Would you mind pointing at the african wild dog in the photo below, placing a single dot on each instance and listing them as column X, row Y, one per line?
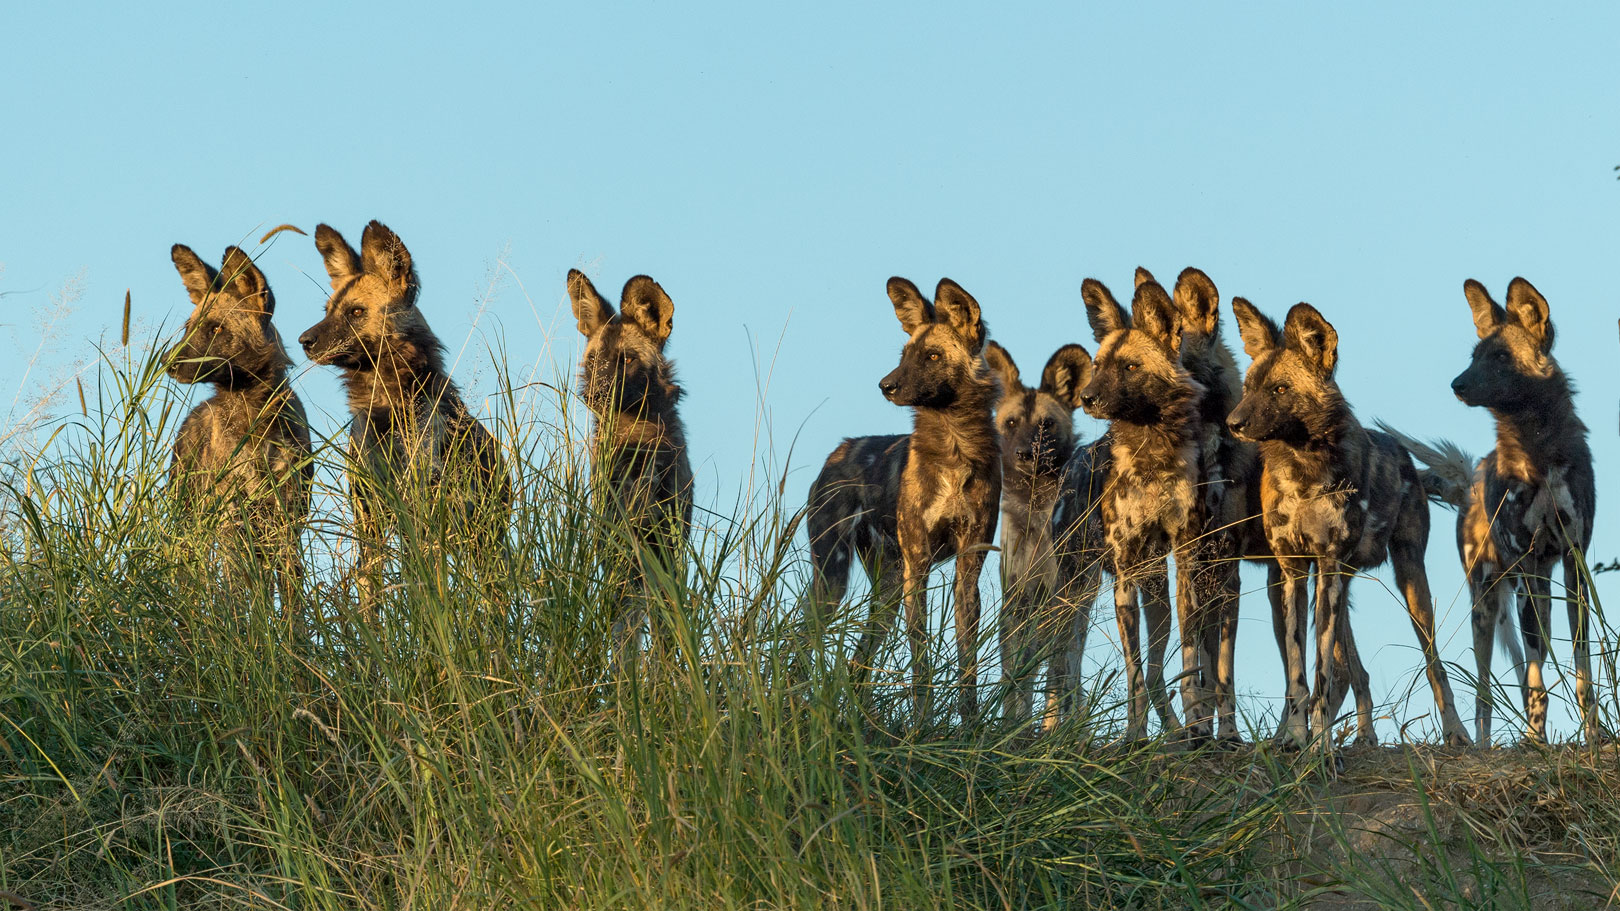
column 410, row 435
column 1524, row 507
column 639, row 466
column 1228, row 528
column 1037, row 440
column 1150, row 507
column 247, row 446
column 1335, row 496
column 915, row 500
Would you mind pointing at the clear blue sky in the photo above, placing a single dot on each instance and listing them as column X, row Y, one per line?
column 772, row 167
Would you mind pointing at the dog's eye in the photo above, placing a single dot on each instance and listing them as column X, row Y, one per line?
column 357, row 312
column 1279, row 389
column 1501, row 355
column 218, row 329
column 933, row 355
column 1131, row 368
column 1011, row 423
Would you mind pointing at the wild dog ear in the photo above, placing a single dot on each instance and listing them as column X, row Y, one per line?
column 1143, row 276
column 591, row 312
column 1198, row 301
column 961, row 312
column 1067, row 372
column 1308, row 332
column 1102, row 311
column 383, row 254
column 1154, row 313
column 196, row 275
column 1001, row 364
column 342, row 263
column 1258, row 332
column 1528, row 308
column 244, row 277
column 1488, row 314
column 914, row 310
column 645, row 303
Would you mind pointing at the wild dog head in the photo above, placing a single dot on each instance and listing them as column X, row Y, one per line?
column 1137, row 376
column 1289, row 393
column 229, row 340
column 1037, row 425
column 623, row 369
column 372, row 314
column 1514, row 353
column 942, row 359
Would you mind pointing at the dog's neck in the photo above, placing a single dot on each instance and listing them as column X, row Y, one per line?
column 963, row 432
column 1532, row 439
column 396, row 385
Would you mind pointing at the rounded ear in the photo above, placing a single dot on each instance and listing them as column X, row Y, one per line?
column 1528, row 308
column 1102, row 311
column 342, row 263
column 1001, row 363
column 1488, row 314
column 913, row 310
column 1307, row 332
column 1067, row 372
column 644, row 302
column 961, row 312
column 244, row 277
column 1143, row 276
column 591, row 312
column 196, row 275
column 1155, row 314
column 1258, row 332
column 1198, row 301
column 383, row 254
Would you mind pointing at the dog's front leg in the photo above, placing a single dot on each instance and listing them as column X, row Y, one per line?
column 969, row 563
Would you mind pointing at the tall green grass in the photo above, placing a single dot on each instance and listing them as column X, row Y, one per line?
column 167, row 741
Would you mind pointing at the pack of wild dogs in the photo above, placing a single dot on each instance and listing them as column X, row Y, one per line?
column 1202, row 468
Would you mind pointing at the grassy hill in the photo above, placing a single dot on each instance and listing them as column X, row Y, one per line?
column 167, row 742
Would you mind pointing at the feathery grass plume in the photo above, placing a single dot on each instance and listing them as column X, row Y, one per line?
column 123, row 335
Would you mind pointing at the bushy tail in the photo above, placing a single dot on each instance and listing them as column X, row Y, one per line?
column 1448, row 473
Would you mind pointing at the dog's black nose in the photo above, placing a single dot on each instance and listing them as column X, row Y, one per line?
column 889, row 387
column 307, row 339
column 1087, row 400
column 1235, row 424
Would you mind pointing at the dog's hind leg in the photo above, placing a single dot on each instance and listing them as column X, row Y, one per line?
column 1575, row 587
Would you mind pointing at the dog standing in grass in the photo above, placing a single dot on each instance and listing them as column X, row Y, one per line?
column 641, row 476
column 1526, row 506
column 907, row 502
column 1336, row 497
column 1037, row 439
column 247, row 446
column 1149, row 503
column 412, row 441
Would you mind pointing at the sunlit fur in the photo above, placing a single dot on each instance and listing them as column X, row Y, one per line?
column 639, row 466
column 247, row 446
column 1037, row 631
column 1337, row 499
column 1527, row 506
column 408, row 425
column 912, row 501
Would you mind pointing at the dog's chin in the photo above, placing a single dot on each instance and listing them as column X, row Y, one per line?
column 341, row 358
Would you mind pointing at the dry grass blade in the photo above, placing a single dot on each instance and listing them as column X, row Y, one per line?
column 280, row 228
